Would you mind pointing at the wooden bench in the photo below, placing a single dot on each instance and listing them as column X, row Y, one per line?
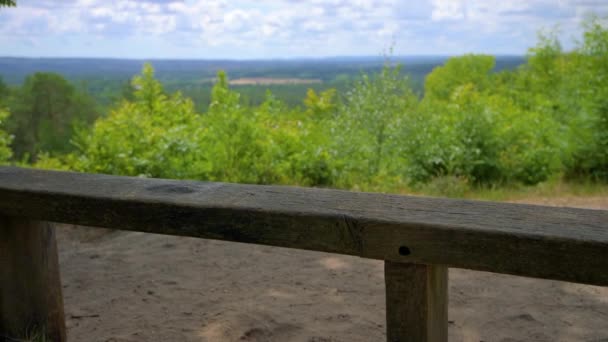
column 417, row 237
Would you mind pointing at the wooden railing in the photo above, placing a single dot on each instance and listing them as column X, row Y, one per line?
column 417, row 237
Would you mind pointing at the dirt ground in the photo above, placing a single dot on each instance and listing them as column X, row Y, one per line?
column 122, row 286
column 270, row 80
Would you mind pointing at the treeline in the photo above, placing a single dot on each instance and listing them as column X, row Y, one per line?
column 46, row 111
column 473, row 125
column 107, row 79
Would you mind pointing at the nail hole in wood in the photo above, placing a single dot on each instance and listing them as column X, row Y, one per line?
column 404, row 250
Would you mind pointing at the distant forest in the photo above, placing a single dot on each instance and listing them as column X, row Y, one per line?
column 107, row 80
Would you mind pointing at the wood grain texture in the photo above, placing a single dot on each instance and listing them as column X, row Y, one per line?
column 31, row 303
column 416, row 302
column 555, row 243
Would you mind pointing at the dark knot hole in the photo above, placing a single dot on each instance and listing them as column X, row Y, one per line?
column 404, row 250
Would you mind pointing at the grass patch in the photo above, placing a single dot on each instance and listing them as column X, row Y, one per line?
column 455, row 187
column 549, row 189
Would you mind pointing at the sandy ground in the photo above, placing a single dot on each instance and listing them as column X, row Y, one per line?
column 270, row 80
column 121, row 286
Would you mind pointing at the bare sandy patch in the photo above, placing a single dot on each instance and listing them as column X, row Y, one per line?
column 270, row 80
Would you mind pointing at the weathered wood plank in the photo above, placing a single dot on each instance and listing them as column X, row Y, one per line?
column 31, row 304
column 555, row 243
column 416, row 302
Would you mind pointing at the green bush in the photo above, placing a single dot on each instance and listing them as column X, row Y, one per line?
column 482, row 138
column 365, row 137
column 590, row 157
column 456, row 138
column 5, row 139
column 156, row 135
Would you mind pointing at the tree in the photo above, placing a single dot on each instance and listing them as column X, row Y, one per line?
column 458, row 71
column 155, row 135
column 366, row 133
column 234, row 139
column 452, row 138
column 4, row 93
column 542, row 57
column 46, row 110
column 3, row 89
column 322, row 105
column 5, row 139
column 8, row 3
column 591, row 155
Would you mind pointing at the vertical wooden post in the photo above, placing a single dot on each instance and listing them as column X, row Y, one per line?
column 30, row 288
column 416, row 302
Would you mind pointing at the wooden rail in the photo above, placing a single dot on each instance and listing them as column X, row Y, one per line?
column 419, row 238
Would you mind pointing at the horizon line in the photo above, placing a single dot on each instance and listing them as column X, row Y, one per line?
column 263, row 59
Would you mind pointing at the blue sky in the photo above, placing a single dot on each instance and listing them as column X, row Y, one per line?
column 241, row 29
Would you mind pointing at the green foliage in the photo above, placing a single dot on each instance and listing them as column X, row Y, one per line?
column 446, row 186
column 155, row 135
column 233, row 138
column 321, row 106
column 458, row 71
column 4, row 91
column 303, row 143
column 455, row 138
column 48, row 162
column 8, row 3
column 5, row 139
column 365, row 139
column 530, row 145
column 483, row 136
column 592, row 157
column 46, row 110
column 543, row 58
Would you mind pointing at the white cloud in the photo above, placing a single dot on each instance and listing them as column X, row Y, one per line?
column 447, row 9
column 296, row 27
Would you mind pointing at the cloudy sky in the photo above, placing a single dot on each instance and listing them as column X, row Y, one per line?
column 241, row 29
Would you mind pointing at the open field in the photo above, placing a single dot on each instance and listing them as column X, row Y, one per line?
column 270, row 80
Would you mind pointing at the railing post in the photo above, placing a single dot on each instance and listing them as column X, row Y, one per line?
column 416, row 302
column 31, row 305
